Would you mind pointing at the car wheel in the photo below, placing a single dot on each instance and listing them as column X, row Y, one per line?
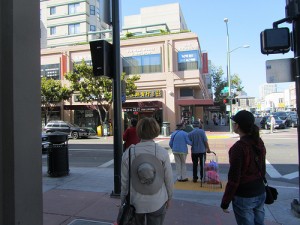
column 75, row 135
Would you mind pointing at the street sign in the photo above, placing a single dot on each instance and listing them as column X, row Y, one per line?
column 280, row 70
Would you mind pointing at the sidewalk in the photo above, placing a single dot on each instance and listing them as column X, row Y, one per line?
column 84, row 198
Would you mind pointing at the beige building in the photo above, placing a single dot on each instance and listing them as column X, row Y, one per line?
column 171, row 89
column 69, row 22
column 175, row 84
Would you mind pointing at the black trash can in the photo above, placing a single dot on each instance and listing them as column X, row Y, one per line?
column 58, row 154
column 165, row 130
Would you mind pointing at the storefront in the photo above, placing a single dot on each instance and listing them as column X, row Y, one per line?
column 140, row 110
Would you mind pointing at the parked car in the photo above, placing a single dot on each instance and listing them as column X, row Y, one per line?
column 279, row 123
column 45, row 142
column 263, row 122
column 294, row 120
column 71, row 129
column 284, row 116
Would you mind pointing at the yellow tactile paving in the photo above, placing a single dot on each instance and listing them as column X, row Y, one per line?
column 191, row 186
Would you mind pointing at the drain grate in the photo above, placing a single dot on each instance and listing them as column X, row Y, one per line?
column 88, row 222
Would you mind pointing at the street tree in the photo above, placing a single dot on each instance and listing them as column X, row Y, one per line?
column 52, row 93
column 96, row 91
column 236, row 84
column 218, row 83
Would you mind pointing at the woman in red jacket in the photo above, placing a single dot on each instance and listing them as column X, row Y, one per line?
column 130, row 137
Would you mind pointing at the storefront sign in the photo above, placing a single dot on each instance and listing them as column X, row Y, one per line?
column 142, row 51
column 51, row 71
column 147, row 94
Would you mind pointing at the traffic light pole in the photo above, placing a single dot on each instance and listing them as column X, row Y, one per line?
column 296, row 37
column 117, row 102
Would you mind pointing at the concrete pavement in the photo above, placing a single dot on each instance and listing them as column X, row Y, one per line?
column 84, row 197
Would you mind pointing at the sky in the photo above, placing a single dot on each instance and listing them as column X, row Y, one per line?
column 246, row 20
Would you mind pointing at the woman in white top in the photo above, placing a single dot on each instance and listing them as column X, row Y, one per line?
column 151, row 175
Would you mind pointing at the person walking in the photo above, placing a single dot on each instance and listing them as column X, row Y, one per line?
column 151, row 187
column 199, row 149
column 245, row 187
column 272, row 123
column 130, row 137
column 178, row 143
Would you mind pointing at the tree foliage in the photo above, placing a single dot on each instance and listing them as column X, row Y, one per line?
column 96, row 91
column 52, row 93
column 219, row 82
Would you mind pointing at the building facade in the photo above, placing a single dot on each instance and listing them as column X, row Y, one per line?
column 69, row 22
column 172, row 87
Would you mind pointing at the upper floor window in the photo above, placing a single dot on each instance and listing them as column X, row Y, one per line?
column 188, row 60
column 52, row 30
column 186, row 92
column 73, row 8
column 74, row 28
column 92, row 10
column 52, row 10
column 142, row 64
column 92, row 28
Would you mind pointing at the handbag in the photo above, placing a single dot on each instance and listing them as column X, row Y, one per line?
column 271, row 192
column 126, row 215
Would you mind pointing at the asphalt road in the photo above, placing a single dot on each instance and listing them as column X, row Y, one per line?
column 282, row 153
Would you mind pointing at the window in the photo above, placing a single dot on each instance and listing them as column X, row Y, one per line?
column 186, row 92
column 74, row 28
column 52, row 10
column 52, row 30
column 73, row 8
column 92, row 10
column 142, row 64
column 188, row 60
column 92, row 28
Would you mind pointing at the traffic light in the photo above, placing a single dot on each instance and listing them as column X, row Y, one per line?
column 102, row 52
column 226, row 101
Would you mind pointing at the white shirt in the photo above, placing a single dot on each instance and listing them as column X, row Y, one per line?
column 147, row 203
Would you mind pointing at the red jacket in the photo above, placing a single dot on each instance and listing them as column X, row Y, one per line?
column 130, row 137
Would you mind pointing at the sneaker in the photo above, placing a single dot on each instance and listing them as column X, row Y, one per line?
column 195, row 180
column 185, row 180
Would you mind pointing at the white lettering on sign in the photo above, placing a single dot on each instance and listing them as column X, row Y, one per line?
column 142, row 51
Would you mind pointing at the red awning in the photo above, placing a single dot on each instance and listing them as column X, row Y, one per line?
column 198, row 102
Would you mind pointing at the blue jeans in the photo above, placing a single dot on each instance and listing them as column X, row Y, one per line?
column 249, row 211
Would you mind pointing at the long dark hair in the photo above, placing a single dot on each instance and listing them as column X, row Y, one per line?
column 252, row 130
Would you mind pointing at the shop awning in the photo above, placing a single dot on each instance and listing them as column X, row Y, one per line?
column 196, row 102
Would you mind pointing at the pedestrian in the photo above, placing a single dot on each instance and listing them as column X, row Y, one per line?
column 199, row 149
column 215, row 120
column 245, row 187
column 151, row 175
column 178, row 143
column 130, row 136
column 272, row 123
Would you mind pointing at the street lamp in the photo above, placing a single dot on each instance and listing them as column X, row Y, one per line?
column 228, row 72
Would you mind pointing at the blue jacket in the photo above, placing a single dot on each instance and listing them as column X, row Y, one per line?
column 198, row 138
column 179, row 141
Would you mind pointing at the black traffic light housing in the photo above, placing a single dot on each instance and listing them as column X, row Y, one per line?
column 276, row 40
column 102, row 58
